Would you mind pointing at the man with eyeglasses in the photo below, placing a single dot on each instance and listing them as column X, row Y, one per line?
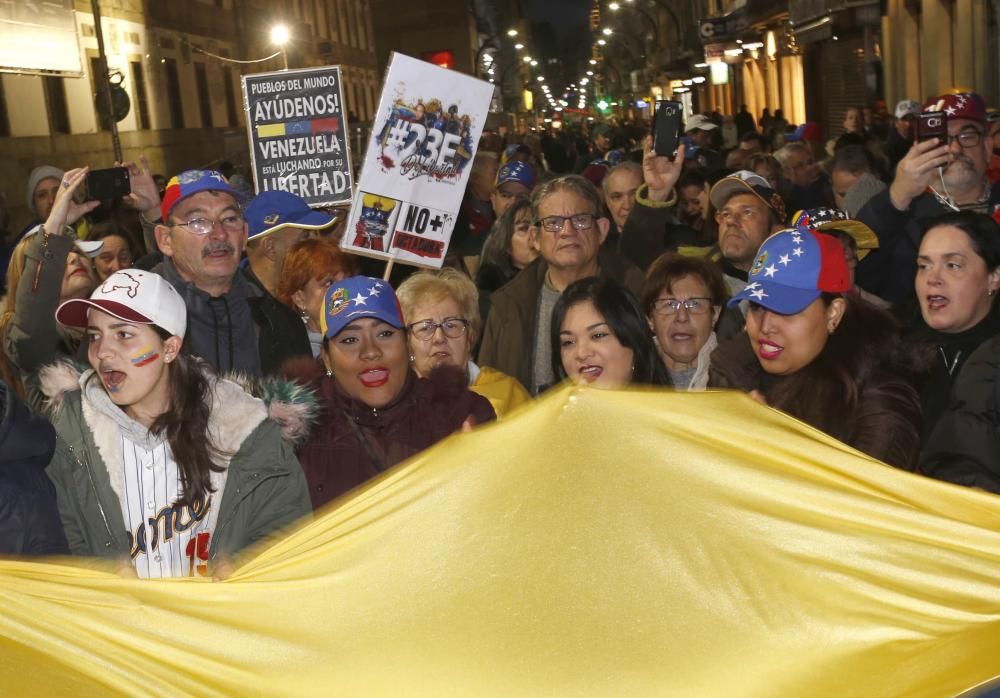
column 935, row 176
column 568, row 229
column 232, row 324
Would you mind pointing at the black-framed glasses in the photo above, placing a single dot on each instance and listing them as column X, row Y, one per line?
column 670, row 306
column 453, row 328
column 555, row 224
column 231, row 223
column 967, row 139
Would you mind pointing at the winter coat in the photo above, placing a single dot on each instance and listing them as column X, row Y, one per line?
column 337, row 458
column 964, row 447
column 886, row 421
column 264, row 489
column 509, row 336
column 245, row 330
column 889, row 271
column 29, row 518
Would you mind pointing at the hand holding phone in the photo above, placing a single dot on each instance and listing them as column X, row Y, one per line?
column 667, row 127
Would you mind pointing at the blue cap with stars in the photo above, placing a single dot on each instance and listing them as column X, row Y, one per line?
column 359, row 297
column 793, row 268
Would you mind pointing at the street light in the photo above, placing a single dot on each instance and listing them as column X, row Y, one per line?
column 512, row 32
column 607, row 31
column 279, row 37
column 601, row 42
column 518, row 46
column 614, row 7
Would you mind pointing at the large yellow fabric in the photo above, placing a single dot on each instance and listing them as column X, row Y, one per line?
column 504, row 392
column 596, row 543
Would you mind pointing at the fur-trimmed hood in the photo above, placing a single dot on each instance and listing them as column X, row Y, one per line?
column 239, row 403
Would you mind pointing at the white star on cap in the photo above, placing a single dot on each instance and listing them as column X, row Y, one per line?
column 359, row 299
column 752, row 286
column 951, row 111
column 797, row 239
column 797, row 252
column 785, row 259
column 758, row 294
column 769, row 271
column 373, row 291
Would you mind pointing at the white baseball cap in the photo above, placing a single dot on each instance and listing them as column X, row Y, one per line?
column 699, row 122
column 907, row 107
column 91, row 248
column 132, row 295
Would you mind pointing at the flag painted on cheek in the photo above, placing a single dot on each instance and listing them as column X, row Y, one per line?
column 146, row 356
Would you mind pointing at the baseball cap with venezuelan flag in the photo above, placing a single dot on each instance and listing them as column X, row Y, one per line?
column 191, row 182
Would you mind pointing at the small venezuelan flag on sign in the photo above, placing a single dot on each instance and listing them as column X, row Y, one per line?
column 293, row 128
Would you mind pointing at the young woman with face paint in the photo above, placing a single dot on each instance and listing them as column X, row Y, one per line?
column 159, row 462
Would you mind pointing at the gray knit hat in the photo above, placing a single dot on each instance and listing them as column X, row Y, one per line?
column 36, row 176
column 863, row 190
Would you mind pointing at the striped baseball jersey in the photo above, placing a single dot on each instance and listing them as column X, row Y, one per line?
column 165, row 539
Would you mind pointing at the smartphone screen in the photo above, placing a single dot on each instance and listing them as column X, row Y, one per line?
column 932, row 124
column 667, row 127
column 112, row 183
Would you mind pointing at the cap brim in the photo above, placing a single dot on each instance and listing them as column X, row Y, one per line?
column 786, row 300
column 865, row 238
column 91, row 248
column 314, row 220
column 73, row 313
column 727, row 187
column 332, row 332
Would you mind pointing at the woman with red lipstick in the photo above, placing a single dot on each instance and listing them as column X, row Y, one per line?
column 376, row 412
column 48, row 265
column 160, row 463
column 820, row 353
column 601, row 338
column 958, row 274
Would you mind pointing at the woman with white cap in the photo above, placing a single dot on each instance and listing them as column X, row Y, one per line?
column 159, row 463
column 820, row 353
column 48, row 266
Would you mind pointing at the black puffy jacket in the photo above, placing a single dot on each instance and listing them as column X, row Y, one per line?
column 29, row 518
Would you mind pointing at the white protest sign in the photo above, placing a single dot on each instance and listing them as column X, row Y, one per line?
column 424, row 137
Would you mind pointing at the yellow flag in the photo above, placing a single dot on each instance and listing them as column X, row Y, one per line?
column 597, row 544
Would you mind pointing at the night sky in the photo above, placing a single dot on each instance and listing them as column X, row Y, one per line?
column 566, row 16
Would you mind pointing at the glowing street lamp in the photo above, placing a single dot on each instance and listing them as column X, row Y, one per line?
column 280, row 37
column 601, row 42
column 614, row 7
column 518, row 47
column 607, row 31
column 512, row 32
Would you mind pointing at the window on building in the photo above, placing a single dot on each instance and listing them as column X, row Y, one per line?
column 55, row 103
column 227, row 77
column 4, row 119
column 204, row 101
column 139, row 91
column 174, row 93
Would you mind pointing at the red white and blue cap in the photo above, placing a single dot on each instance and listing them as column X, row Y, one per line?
column 960, row 105
column 359, row 297
column 191, row 182
column 793, row 268
column 270, row 211
column 828, row 218
column 517, row 171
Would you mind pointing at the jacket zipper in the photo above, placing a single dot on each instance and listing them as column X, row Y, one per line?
column 93, row 487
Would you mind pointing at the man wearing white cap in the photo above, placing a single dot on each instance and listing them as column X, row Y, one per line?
column 699, row 134
column 900, row 138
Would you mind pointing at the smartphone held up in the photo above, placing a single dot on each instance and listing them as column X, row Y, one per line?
column 667, row 122
column 932, row 124
column 112, row 183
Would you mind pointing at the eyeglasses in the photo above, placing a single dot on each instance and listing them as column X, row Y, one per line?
column 670, row 306
column 555, row 224
column 231, row 223
column 453, row 328
column 967, row 139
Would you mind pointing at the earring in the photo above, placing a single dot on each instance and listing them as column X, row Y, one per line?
column 304, row 315
column 329, row 372
column 412, row 358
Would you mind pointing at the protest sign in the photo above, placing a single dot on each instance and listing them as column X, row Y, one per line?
column 415, row 170
column 297, row 134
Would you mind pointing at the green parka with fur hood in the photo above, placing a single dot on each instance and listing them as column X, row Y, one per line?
column 265, row 489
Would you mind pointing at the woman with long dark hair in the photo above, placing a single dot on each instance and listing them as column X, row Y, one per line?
column 600, row 336
column 158, row 461
column 820, row 353
column 507, row 249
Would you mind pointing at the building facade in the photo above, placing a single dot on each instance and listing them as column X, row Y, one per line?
column 180, row 64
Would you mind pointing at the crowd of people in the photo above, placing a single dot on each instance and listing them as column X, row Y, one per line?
column 189, row 370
